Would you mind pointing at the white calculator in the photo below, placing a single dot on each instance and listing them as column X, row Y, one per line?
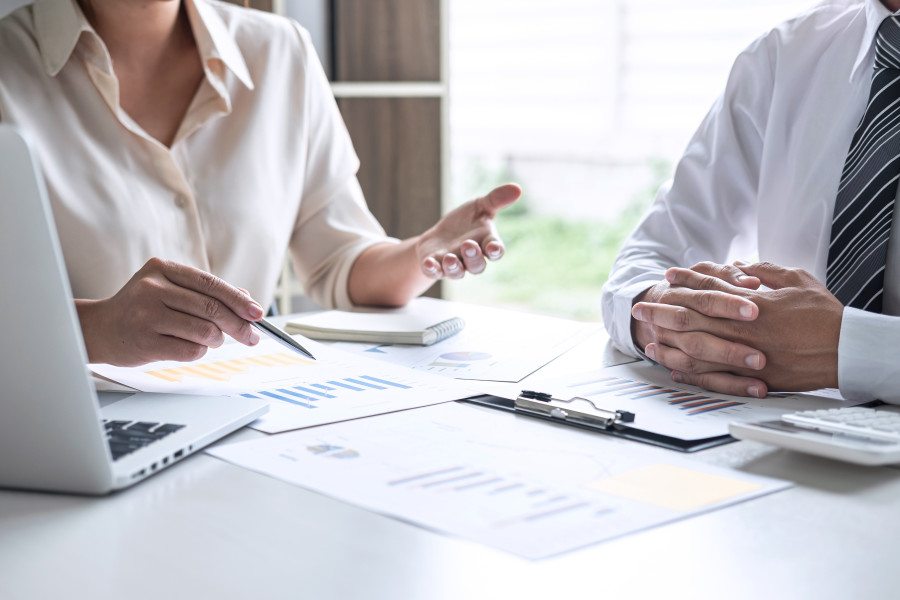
column 866, row 436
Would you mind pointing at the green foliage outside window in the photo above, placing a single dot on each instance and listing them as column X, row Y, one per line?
column 552, row 265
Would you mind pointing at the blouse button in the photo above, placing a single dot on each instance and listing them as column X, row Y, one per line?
column 180, row 201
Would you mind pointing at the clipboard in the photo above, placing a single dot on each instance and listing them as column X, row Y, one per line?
column 583, row 414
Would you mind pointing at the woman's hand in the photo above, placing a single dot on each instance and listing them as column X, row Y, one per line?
column 466, row 238
column 462, row 241
column 167, row 311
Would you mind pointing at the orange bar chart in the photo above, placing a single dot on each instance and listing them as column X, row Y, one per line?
column 224, row 370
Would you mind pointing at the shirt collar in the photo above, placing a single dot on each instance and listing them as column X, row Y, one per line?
column 875, row 13
column 214, row 41
column 59, row 25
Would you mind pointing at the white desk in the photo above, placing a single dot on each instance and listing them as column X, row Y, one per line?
column 207, row 529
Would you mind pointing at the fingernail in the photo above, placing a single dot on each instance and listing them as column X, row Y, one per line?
column 670, row 277
column 638, row 313
column 677, row 377
column 752, row 361
column 746, row 311
column 453, row 267
column 651, row 352
column 254, row 337
column 256, row 310
column 470, row 252
column 740, row 263
column 753, row 390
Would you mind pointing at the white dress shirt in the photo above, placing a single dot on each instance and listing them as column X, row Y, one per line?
column 760, row 178
column 262, row 161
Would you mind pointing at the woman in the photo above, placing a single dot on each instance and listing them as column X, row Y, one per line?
column 189, row 144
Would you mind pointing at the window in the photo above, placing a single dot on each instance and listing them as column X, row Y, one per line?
column 588, row 104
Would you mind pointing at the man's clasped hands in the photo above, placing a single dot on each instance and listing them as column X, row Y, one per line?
column 741, row 329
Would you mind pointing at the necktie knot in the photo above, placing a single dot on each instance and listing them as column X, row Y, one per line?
column 887, row 44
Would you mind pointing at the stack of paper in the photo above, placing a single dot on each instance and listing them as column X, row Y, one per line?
column 510, row 482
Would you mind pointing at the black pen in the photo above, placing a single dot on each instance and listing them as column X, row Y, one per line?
column 281, row 336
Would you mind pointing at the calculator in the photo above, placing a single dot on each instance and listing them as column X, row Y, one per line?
column 856, row 434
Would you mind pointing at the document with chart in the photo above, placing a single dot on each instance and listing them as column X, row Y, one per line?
column 513, row 483
column 301, row 392
column 495, row 345
column 678, row 411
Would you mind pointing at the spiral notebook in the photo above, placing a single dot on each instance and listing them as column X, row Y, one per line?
column 375, row 328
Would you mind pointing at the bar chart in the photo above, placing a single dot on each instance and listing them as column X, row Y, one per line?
column 310, row 394
column 516, row 485
column 691, row 403
column 683, row 412
column 225, row 370
column 301, row 392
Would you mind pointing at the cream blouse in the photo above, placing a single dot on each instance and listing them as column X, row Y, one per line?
column 262, row 162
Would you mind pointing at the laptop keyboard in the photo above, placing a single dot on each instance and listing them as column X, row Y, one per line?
column 127, row 436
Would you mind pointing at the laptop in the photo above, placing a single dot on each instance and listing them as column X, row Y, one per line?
column 55, row 433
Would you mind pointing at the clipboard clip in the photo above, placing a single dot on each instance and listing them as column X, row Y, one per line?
column 575, row 410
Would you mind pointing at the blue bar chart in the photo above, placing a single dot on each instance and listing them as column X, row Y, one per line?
column 308, row 396
column 300, row 392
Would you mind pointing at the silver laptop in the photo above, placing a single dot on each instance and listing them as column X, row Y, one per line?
column 54, row 435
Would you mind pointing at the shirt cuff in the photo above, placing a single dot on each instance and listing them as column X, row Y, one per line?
column 342, row 299
column 867, row 359
column 623, row 301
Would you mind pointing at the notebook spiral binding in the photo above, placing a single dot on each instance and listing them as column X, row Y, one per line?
column 445, row 329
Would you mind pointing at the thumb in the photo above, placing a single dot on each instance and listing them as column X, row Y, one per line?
column 499, row 198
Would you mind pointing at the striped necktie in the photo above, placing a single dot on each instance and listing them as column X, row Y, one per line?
column 865, row 201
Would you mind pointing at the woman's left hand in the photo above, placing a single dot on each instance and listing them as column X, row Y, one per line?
column 466, row 238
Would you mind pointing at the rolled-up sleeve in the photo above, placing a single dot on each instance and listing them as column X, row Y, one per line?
column 327, row 242
column 334, row 224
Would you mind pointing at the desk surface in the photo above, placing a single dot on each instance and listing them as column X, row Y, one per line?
column 207, row 529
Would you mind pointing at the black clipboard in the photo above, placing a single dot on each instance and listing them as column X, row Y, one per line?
column 614, row 424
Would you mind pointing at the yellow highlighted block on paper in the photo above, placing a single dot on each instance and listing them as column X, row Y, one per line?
column 675, row 488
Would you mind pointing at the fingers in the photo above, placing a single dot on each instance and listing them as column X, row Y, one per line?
column 202, row 319
column 432, row 268
column 499, row 198
column 681, row 309
column 730, row 273
column 708, row 295
column 697, row 352
column 775, row 276
column 472, row 257
column 724, row 383
column 473, row 260
column 452, row 267
column 698, row 281
column 447, row 267
column 174, row 348
column 191, row 329
column 209, row 285
column 493, row 248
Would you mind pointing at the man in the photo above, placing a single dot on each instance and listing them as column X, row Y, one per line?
column 769, row 174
